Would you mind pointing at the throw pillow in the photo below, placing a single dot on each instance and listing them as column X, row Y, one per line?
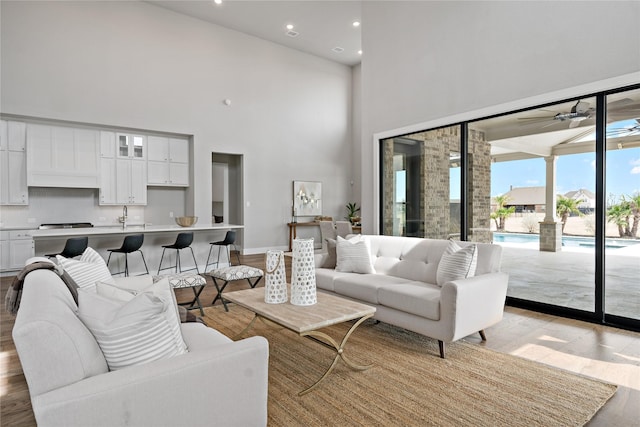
column 354, row 255
column 88, row 270
column 160, row 289
column 330, row 259
column 129, row 333
column 457, row 263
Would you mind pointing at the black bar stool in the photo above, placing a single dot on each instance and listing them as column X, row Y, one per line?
column 130, row 244
column 73, row 247
column 183, row 241
column 229, row 240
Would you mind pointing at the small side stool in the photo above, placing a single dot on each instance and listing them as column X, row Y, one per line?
column 186, row 280
column 232, row 273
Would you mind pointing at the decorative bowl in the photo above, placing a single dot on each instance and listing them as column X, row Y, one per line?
column 186, row 221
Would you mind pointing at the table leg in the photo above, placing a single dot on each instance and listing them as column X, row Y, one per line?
column 329, row 342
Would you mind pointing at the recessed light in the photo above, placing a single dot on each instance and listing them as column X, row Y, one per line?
column 356, row 23
column 338, row 49
column 217, row 1
column 289, row 27
column 360, row 52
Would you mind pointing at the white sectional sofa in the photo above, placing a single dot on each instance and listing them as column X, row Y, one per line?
column 405, row 292
column 218, row 382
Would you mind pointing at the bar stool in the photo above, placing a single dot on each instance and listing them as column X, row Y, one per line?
column 131, row 243
column 183, row 241
column 229, row 240
column 73, row 247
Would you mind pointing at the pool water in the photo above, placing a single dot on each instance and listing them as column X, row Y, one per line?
column 585, row 242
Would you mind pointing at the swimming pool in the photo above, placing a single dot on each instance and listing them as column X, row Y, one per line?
column 584, row 242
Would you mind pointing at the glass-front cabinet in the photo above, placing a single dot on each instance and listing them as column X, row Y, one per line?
column 131, row 146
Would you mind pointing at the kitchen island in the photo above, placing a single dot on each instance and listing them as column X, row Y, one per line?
column 102, row 238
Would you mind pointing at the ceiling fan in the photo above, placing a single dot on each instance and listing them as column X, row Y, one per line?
column 628, row 129
column 579, row 112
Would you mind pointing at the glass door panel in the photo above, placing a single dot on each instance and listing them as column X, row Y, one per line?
column 622, row 241
column 542, row 187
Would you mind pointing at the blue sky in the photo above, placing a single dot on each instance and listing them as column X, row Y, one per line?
column 573, row 172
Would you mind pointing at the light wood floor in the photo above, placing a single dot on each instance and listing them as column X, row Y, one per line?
column 601, row 352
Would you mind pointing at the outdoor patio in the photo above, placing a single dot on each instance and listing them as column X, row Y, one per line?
column 566, row 278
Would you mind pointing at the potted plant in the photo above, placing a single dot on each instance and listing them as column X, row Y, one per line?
column 352, row 213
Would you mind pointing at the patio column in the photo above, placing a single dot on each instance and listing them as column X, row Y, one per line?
column 550, row 228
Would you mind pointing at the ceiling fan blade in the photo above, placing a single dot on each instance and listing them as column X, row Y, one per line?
column 574, row 124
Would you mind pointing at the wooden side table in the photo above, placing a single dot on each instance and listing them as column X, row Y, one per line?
column 293, row 232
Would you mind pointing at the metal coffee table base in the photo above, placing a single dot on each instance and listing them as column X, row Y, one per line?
column 325, row 340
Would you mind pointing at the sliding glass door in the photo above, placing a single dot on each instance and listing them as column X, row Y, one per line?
column 622, row 244
column 557, row 186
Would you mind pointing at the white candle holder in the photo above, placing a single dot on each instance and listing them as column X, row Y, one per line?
column 303, row 273
column 275, row 288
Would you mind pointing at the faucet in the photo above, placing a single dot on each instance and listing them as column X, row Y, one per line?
column 124, row 216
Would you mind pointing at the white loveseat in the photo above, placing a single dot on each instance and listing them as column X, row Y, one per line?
column 405, row 292
column 217, row 383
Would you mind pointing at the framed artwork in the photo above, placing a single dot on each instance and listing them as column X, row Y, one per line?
column 307, row 198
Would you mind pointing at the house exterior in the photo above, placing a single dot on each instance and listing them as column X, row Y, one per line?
column 586, row 200
column 525, row 199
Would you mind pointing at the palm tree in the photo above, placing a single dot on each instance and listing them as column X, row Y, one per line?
column 501, row 213
column 619, row 214
column 565, row 207
column 634, row 201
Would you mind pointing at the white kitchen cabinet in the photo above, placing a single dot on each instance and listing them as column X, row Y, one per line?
column 13, row 164
column 131, row 182
column 168, row 161
column 131, row 146
column 62, row 156
column 17, row 247
column 123, row 169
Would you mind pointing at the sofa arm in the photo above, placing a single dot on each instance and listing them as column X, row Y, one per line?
column 225, row 385
column 473, row 304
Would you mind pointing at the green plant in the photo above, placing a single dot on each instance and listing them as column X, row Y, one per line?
column 501, row 213
column 352, row 210
column 565, row 207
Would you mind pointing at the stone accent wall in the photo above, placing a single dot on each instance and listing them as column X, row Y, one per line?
column 551, row 236
column 479, row 195
column 387, row 186
column 434, row 175
column 435, row 220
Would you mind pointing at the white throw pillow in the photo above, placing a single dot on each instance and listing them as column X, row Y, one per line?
column 88, row 270
column 130, row 332
column 457, row 263
column 354, row 255
column 162, row 289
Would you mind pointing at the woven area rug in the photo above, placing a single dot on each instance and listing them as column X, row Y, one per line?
column 409, row 384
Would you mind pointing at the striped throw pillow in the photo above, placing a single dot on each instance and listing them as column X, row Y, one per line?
column 88, row 270
column 354, row 255
column 457, row 263
column 128, row 333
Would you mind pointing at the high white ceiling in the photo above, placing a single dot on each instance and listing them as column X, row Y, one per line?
column 321, row 25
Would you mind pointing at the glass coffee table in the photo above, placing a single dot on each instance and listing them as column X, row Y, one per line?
column 307, row 320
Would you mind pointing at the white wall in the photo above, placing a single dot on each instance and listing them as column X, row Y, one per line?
column 132, row 64
column 434, row 63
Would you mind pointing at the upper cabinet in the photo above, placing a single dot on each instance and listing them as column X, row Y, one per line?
column 123, row 169
column 62, row 156
column 13, row 163
column 168, row 161
column 131, row 146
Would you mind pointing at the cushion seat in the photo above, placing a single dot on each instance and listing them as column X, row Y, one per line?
column 421, row 299
column 236, row 272
column 182, row 280
column 364, row 287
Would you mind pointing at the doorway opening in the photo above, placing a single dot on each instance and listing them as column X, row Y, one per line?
column 226, row 188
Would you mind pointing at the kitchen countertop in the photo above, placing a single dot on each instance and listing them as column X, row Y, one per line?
column 104, row 230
